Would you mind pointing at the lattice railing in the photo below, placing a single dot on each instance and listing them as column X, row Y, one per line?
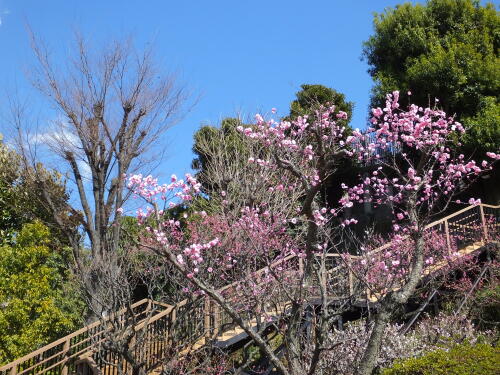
column 61, row 356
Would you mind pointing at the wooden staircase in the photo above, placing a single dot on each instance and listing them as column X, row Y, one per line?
column 470, row 228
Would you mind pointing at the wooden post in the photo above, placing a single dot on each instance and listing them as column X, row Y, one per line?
column 448, row 239
column 171, row 329
column 483, row 223
column 351, row 283
column 206, row 313
column 217, row 318
column 301, row 266
column 13, row 370
column 140, row 351
column 66, row 347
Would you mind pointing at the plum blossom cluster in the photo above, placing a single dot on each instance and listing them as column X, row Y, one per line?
column 302, row 141
column 194, row 253
column 425, row 170
column 417, row 127
column 219, row 248
column 385, row 267
column 168, row 233
column 152, row 192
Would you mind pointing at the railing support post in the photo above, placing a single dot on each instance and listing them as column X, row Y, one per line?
column 217, row 319
column 206, row 322
column 13, row 371
column 66, row 347
column 351, row 283
column 171, row 334
column 483, row 223
column 448, row 239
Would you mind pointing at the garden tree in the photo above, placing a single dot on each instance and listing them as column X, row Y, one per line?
column 311, row 97
column 39, row 301
column 445, row 49
column 250, row 249
column 20, row 202
column 232, row 245
column 223, row 155
column 113, row 106
column 222, row 152
column 211, row 140
column 308, row 100
column 418, row 184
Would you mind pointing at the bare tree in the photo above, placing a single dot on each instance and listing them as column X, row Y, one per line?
column 113, row 106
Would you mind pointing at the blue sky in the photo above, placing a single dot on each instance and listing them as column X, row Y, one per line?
column 238, row 56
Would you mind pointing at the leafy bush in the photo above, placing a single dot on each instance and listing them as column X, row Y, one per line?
column 38, row 303
column 464, row 359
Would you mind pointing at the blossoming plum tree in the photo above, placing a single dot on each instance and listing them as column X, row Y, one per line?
column 252, row 250
column 418, row 183
column 257, row 249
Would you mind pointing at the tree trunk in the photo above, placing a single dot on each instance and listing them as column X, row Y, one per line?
column 370, row 356
column 388, row 305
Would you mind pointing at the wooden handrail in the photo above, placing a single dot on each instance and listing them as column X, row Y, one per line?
column 62, row 340
column 434, row 223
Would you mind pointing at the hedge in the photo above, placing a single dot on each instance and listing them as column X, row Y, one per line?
column 464, row 359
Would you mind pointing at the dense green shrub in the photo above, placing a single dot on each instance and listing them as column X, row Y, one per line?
column 39, row 302
column 462, row 359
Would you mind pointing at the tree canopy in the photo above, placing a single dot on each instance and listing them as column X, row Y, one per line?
column 20, row 199
column 310, row 97
column 208, row 140
column 444, row 49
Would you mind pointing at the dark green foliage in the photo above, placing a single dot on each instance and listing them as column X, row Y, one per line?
column 313, row 96
column 462, row 359
column 445, row 49
column 209, row 140
column 39, row 302
column 21, row 199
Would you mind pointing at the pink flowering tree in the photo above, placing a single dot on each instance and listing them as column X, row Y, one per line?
column 263, row 260
column 418, row 183
column 270, row 256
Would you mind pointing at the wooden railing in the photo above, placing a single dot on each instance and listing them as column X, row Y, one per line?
column 206, row 318
column 61, row 356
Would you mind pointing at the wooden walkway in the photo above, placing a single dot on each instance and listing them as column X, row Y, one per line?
column 470, row 229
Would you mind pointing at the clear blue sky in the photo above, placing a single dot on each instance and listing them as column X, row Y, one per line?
column 240, row 56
